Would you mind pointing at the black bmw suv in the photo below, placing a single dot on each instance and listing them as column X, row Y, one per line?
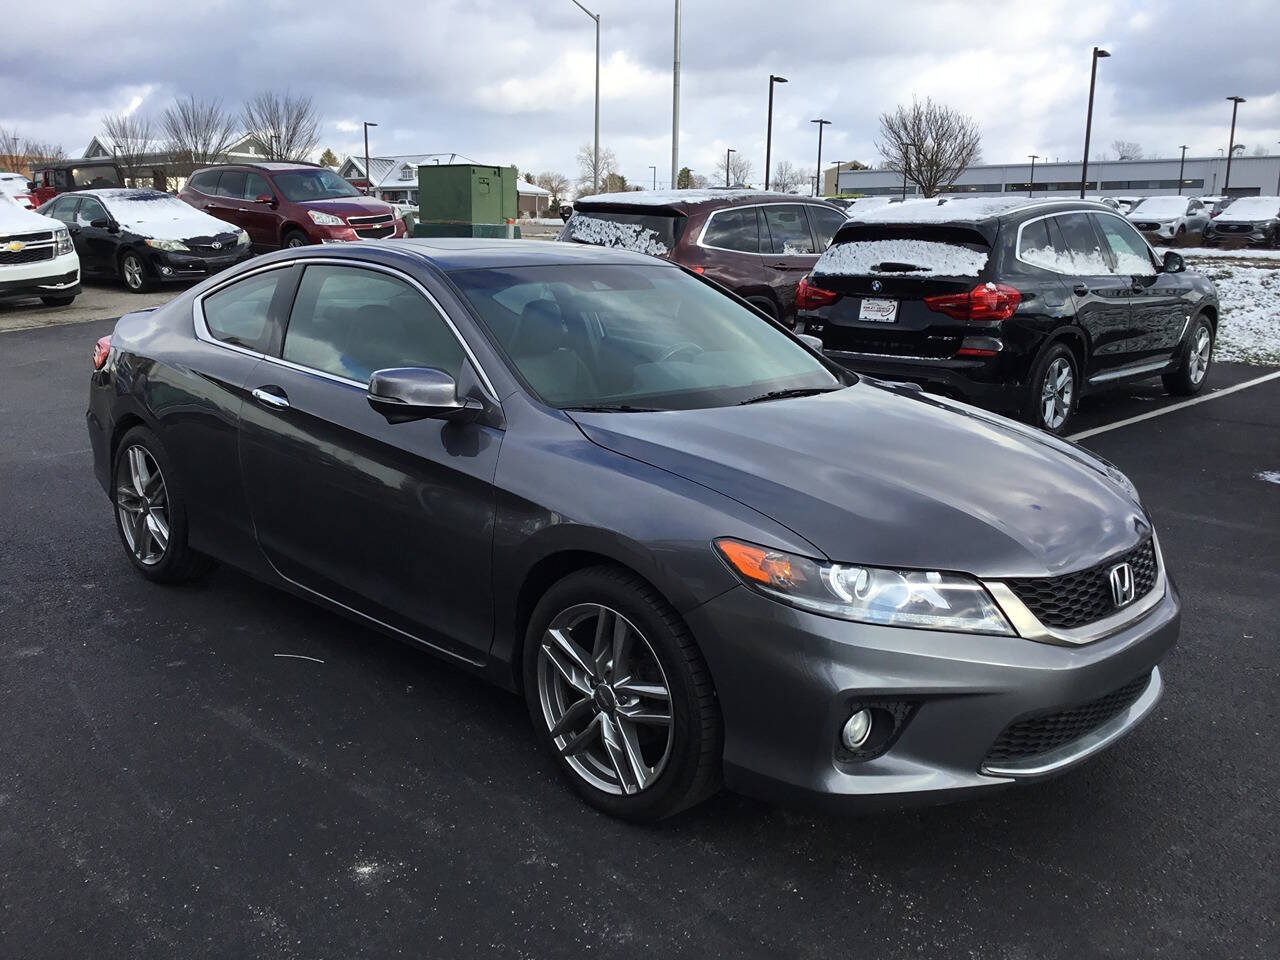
column 1013, row 304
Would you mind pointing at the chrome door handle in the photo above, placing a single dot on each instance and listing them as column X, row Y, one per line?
column 271, row 399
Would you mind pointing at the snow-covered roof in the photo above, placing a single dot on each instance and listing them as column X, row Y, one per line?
column 529, row 190
column 947, row 210
column 386, row 171
column 1157, row 207
column 666, row 198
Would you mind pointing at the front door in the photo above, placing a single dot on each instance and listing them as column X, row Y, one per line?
column 394, row 521
column 1157, row 315
column 1102, row 297
column 259, row 219
column 96, row 246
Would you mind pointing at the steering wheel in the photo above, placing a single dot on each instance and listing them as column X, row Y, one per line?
column 682, row 347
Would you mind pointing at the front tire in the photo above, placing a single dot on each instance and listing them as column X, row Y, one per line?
column 1053, row 390
column 619, row 694
column 57, row 301
column 133, row 273
column 295, row 238
column 151, row 511
column 1197, row 356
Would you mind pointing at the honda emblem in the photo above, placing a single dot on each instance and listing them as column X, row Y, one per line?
column 1122, row 585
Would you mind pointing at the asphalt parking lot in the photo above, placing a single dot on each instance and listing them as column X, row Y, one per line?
column 172, row 786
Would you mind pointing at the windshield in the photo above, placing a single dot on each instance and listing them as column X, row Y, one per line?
column 1252, row 208
column 301, row 185
column 1168, row 207
column 635, row 336
column 652, row 233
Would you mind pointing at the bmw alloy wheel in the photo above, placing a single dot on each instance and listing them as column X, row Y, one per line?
column 1057, row 392
column 605, row 699
column 142, row 505
column 1198, row 362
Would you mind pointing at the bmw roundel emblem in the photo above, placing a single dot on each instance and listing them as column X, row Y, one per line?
column 875, row 286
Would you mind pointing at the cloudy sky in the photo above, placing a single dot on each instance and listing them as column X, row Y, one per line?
column 510, row 81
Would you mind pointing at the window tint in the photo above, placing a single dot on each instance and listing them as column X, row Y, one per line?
column 64, row 209
column 231, row 184
column 1083, row 243
column 734, row 230
column 89, row 211
column 206, row 181
column 825, row 224
column 789, row 228
column 240, row 314
column 351, row 322
column 255, row 185
column 1131, row 254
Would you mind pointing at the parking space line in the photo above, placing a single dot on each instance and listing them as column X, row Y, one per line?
column 1172, row 407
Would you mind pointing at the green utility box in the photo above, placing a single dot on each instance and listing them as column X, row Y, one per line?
column 465, row 200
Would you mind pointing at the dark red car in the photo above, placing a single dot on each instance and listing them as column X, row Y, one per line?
column 290, row 204
column 757, row 244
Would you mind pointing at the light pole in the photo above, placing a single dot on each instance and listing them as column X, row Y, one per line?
column 818, row 169
column 1031, row 188
column 768, row 137
column 1182, row 166
column 726, row 164
column 1231, row 144
column 368, row 174
column 595, row 166
column 1278, row 176
column 835, row 184
column 675, row 105
column 1098, row 54
column 655, row 176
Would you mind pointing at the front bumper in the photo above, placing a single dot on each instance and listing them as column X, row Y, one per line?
column 347, row 234
column 1165, row 231
column 787, row 681
column 1259, row 237
column 175, row 265
column 57, row 277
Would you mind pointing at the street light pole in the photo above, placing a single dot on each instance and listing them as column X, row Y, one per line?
column 368, row 174
column 1031, row 188
column 1231, row 144
column 768, row 137
column 1182, row 166
column 818, row 169
column 675, row 106
column 835, row 183
column 726, row 164
column 1098, row 54
column 655, row 175
column 1278, row 177
column 595, row 166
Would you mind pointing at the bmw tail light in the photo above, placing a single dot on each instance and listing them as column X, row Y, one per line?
column 985, row 303
column 100, row 351
column 810, row 296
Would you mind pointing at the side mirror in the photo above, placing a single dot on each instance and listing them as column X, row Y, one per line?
column 813, row 343
column 102, row 223
column 402, row 394
column 266, row 198
column 1173, row 262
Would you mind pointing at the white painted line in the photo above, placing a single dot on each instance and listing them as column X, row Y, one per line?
column 297, row 656
column 1175, row 406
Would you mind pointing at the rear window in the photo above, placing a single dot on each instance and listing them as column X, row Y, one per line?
column 95, row 177
column 652, row 233
column 921, row 251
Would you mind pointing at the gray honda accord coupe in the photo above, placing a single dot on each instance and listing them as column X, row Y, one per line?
column 703, row 553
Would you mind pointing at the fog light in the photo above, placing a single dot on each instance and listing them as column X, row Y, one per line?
column 856, row 730
column 166, row 270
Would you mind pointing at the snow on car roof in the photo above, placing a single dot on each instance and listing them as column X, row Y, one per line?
column 667, row 198
column 158, row 214
column 15, row 217
column 946, row 210
column 1249, row 209
column 1159, row 207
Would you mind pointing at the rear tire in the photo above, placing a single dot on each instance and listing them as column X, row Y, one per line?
column 1195, row 360
column 151, row 511
column 57, row 301
column 678, row 762
column 133, row 273
column 1053, row 390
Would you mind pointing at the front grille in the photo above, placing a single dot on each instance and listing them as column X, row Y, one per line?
column 1076, row 599
column 43, row 237
column 857, row 340
column 1235, row 227
column 1040, row 733
column 30, row 255
column 1147, row 226
column 374, row 233
column 204, row 246
column 369, row 221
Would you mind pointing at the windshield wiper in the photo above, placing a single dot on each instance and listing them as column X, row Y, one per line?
column 613, row 408
column 784, row 394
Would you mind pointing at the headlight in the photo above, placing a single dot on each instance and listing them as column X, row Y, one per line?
column 324, row 219
column 63, row 237
column 173, row 246
column 924, row 599
column 242, row 239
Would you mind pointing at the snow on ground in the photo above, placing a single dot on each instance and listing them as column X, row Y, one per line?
column 1249, row 330
column 1220, row 253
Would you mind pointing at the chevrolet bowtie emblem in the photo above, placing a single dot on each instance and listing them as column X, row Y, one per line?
column 15, row 246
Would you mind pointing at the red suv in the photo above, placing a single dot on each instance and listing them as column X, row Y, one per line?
column 290, row 204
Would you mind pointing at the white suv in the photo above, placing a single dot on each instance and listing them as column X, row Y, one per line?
column 37, row 258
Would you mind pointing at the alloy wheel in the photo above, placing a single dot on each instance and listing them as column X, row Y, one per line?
column 605, row 699
column 1198, row 362
column 142, row 505
column 133, row 277
column 1057, row 392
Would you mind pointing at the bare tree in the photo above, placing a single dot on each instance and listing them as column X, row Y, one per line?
column 1261, row 150
column 554, row 182
column 287, row 125
column 130, row 137
column 786, row 177
column 12, row 154
column 932, row 142
column 40, row 150
column 739, row 169
column 1126, row 150
column 199, row 130
column 588, row 175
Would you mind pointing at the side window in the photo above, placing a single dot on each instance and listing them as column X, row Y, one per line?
column 1129, row 251
column 64, row 209
column 231, row 184
column 1082, row 241
column 789, row 228
column 89, row 211
column 734, row 229
column 255, row 185
column 240, row 313
column 350, row 322
column 206, row 181
column 825, row 224
column 1195, row 206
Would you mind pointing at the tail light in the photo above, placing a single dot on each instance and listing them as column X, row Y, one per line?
column 985, row 303
column 810, row 297
column 100, row 351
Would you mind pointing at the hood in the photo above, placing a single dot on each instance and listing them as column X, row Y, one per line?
column 15, row 218
column 162, row 216
column 350, row 206
column 875, row 475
